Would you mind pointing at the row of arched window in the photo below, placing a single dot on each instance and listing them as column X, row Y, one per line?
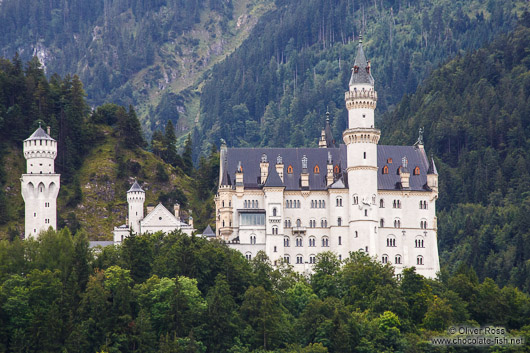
column 397, row 223
column 251, row 204
column 423, row 205
column 300, row 259
column 397, row 259
column 292, row 203
column 318, row 204
column 391, row 242
column 299, row 241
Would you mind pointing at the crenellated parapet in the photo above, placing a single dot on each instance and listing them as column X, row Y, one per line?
column 361, row 135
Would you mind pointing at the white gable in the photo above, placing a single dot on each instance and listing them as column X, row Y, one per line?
column 160, row 217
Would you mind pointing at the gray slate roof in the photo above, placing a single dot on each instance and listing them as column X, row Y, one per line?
column 135, row 187
column 361, row 76
column 273, row 179
column 39, row 134
column 208, row 232
column 250, row 162
column 330, row 141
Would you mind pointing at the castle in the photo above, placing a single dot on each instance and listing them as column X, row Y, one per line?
column 293, row 203
column 158, row 218
column 40, row 185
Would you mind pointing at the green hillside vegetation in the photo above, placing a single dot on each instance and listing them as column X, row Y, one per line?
column 274, row 89
column 99, row 155
column 476, row 114
column 176, row 293
column 130, row 51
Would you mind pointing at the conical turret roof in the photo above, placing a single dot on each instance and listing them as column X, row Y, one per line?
column 39, row 134
column 135, row 187
column 361, row 72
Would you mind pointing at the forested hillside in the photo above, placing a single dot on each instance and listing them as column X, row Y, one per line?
column 476, row 115
column 274, row 89
column 177, row 294
column 129, row 51
column 100, row 152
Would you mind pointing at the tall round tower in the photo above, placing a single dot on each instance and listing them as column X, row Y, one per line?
column 361, row 139
column 40, row 185
column 135, row 199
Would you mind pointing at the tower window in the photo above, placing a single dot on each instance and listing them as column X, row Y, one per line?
column 365, row 213
column 364, row 116
column 286, row 242
column 290, row 169
column 417, row 171
column 316, row 170
column 364, row 155
column 385, row 169
column 336, row 169
column 398, row 260
column 340, row 240
column 339, row 221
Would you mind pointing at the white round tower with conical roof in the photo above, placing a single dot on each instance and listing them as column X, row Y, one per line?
column 135, row 199
column 40, row 185
column 361, row 139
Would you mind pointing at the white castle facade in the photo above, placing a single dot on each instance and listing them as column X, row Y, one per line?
column 294, row 203
column 40, row 185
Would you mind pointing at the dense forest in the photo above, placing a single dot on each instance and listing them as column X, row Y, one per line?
column 175, row 293
column 476, row 114
column 275, row 88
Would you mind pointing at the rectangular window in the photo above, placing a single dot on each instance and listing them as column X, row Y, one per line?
column 340, row 240
column 252, row 219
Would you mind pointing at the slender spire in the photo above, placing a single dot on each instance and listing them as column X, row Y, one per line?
column 361, row 72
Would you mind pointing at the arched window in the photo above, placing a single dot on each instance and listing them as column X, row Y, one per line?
column 417, row 170
column 398, row 260
column 389, row 160
column 290, row 169
column 316, row 170
column 339, row 221
column 381, row 223
column 312, row 259
column 274, row 211
column 323, row 203
column 289, row 223
column 299, row 259
column 312, row 203
column 381, row 203
column 319, row 203
column 385, row 169
column 339, row 201
column 274, row 229
column 336, row 169
column 423, row 224
column 391, row 241
column 286, row 259
column 397, row 223
column 312, row 241
column 252, row 239
column 366, row 213
column 298, row 222
column 419, row 260
column 286, row 242
column 419, row 242
column 355, row 199
column 356, row 234
column 325, row 242
column 384, row 259
column 299, row 241
column 248, row 256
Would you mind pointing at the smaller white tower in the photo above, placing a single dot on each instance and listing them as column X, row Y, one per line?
column 135, row 199
column 40, row 185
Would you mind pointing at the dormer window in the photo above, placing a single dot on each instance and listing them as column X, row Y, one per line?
column 316, row 170
column 356, row 69
column 385, row 169
column 336, row 169
column 389, row 160
column 290, row 169
column 417, row 171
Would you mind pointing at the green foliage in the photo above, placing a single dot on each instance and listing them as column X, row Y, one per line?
column 201, row 296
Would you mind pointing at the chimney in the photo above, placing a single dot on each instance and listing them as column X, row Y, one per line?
column 279, row 166
column 150, row 208
column 404, row 174
column 304, row 177
column 322, row 142
column 48, row 129
column 264, row 168
column 329, row 176
column 176, row 208
column 240, row 187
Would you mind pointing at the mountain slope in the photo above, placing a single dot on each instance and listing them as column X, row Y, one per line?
column 128, row 51
column 296, row 62
column 476, row 115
